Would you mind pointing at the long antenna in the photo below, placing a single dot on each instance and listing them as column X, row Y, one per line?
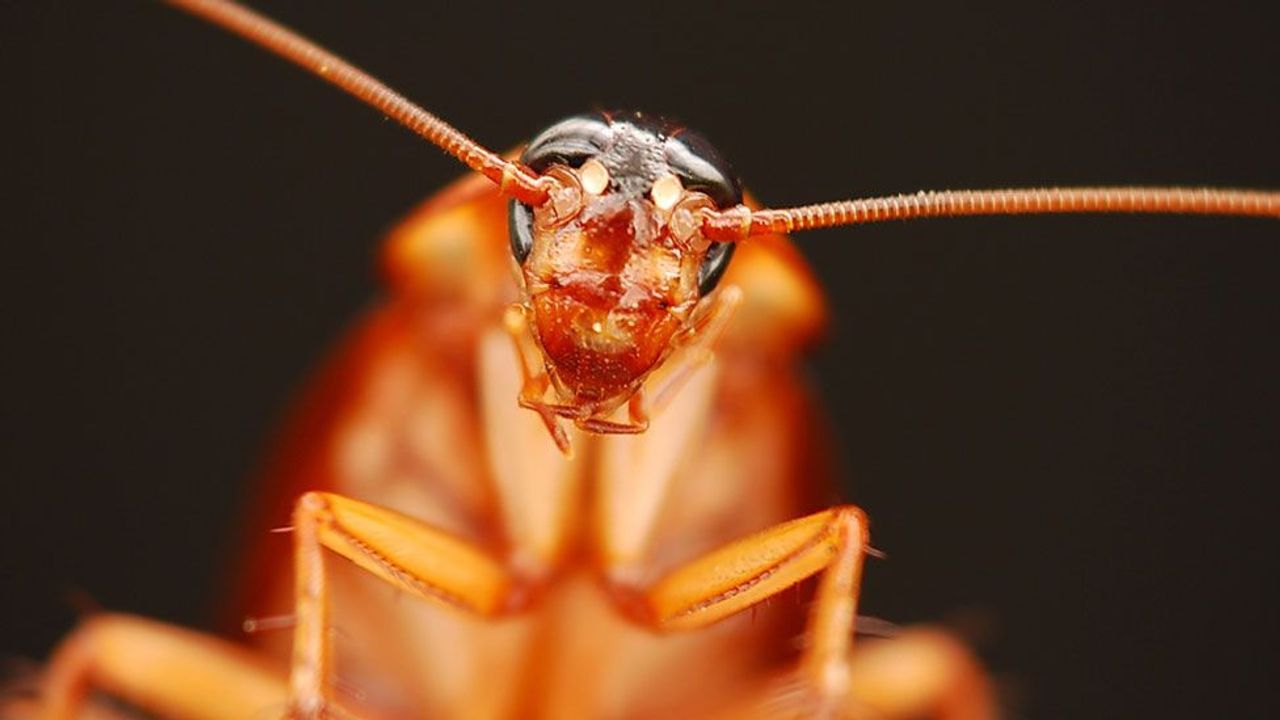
column 736, row 223
column 740, row 222
column 513, row 179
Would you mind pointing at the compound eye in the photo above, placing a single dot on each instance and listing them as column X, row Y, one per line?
column 701, row 169
column 713, row 266
column 520, row 230
column 570, row 142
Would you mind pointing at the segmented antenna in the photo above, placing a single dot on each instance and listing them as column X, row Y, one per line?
column 736, row 223
column 740, row 222
column 513, row 179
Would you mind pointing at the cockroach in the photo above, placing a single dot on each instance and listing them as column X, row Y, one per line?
column 557, row 457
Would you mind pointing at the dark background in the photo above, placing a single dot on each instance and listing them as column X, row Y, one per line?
column 1065, row 430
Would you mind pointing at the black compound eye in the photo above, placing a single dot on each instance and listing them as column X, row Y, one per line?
column 570, row 142
column 520, row 230
column 713, row 266
column 699, row 167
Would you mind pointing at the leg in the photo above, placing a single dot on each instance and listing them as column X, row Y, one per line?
column 404, row 552
column 178, row 673
column 922, row 673
column 165, row 670
column 637, row 419
column 535, row 381
column 698, row 343
column 748, row 571
column 919, row 674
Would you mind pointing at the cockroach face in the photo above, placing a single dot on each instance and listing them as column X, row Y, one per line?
column 614, row 265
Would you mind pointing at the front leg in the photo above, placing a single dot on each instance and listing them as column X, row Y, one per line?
column 406, row 553
column 535, row 382
column 179, row 673
column 922, row 673
column 750, row 570
column 696, row 347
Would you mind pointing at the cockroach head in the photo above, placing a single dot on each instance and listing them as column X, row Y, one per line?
column 615, row 261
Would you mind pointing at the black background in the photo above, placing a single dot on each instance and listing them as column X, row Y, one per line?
column 1064, row 430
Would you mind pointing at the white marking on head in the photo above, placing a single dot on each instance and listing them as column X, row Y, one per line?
column 666, row 191
column 594, row 176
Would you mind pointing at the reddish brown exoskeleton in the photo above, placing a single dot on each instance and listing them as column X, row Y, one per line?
column 562, row 583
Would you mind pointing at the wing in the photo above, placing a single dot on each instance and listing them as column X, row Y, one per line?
column 392, row 403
